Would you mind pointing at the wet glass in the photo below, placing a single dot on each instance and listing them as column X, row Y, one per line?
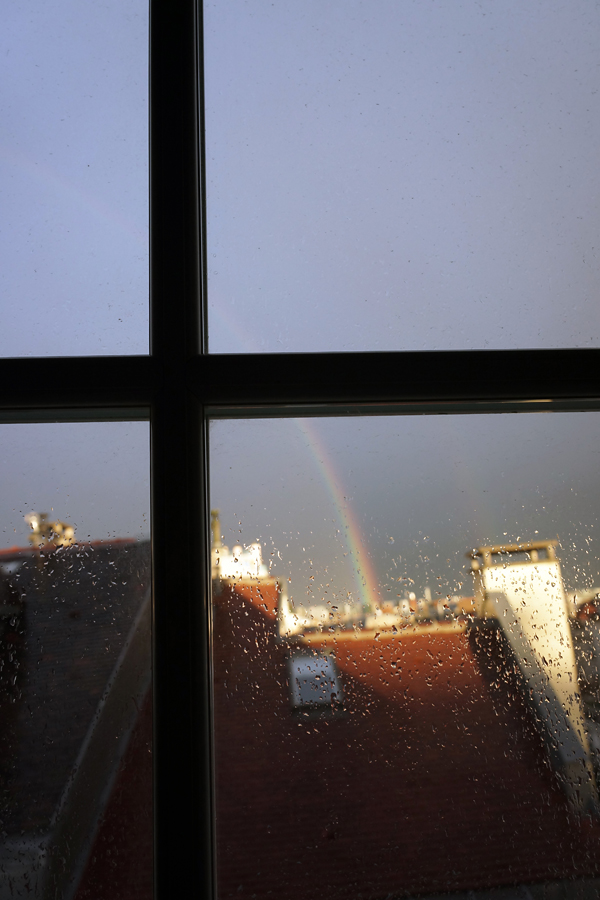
column 74, row 179
column 75, row 664
column 406, row 655
column 402, row 176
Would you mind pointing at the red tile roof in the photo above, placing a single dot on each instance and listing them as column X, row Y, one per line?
column 432, row 777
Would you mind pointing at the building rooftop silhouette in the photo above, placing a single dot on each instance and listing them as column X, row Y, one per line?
column 75, row 715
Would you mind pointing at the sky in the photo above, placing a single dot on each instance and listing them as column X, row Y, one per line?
column 381, row 175
column 73, row 177
column 402, row 174
column 380, row 506
column 74, row 248
column 92, row 475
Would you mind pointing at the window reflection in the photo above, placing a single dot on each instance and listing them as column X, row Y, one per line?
column 406, row 656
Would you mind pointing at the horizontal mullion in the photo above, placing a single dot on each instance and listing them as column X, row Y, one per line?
column 72, row 414
column 406, row 408
column 79, row 382
column 255, row 380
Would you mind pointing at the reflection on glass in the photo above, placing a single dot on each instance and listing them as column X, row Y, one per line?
column 406, row 655
column 74, row 179
column 402, row 176
column 75, row 676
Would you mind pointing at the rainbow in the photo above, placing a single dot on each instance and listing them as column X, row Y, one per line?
column 364, row 574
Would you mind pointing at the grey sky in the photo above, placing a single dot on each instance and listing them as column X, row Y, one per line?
column 381, row 175
column 423, row 490
column 74, row 177
column 402, row 175
column 74, row 248
column 93, row 475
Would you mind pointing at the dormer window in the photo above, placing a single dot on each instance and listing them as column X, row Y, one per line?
column 314, row 682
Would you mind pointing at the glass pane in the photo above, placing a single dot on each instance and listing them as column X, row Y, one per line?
column 74, row 182
column 75, row 671
column 402, row 176
column 406, row 656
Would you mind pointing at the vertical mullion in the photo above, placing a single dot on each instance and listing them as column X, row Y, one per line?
column 175, row 318
column 183, row 794
column 202, row 308
column 182, row 784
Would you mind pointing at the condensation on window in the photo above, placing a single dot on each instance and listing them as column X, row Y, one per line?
column 406, row 656
column 75, row 665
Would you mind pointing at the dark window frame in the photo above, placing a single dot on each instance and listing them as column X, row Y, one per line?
column 179, row 385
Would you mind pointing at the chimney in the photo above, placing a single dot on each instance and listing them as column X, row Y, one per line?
column 61, row 534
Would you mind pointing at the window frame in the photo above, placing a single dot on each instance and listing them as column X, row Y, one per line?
column 179, row 386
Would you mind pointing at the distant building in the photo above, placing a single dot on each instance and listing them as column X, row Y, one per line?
column 44, row 531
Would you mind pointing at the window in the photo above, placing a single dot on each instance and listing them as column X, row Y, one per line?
column 314, row 682
column 179, row 383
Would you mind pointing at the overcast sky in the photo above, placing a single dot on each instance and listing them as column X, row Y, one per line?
column 381, row 175
column 403, row 174
column 74, row 248
column 95, row 476
column 74, row 177
column 419, row 491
